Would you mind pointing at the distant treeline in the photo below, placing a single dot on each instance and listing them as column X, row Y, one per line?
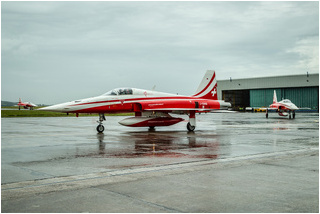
column 7, row 103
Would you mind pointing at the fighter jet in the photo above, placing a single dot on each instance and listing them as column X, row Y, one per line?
column 151, row 108
column 26, row 105
column 284, row 107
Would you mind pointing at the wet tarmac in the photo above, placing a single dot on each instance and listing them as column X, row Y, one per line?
column 50, row 157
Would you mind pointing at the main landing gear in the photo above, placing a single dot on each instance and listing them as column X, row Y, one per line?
column 190, row 127
column 292, row 114
column 100, row 127
column 192, row 121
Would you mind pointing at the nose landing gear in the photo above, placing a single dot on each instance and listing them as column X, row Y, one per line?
column 100, row 127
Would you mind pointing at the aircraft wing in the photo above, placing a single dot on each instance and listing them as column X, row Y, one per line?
column 305, row 108
column 31, row 105
column 272, row 108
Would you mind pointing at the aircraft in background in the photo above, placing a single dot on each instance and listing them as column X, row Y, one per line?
column 151, row 108
column 284, row 107
column 26, row 105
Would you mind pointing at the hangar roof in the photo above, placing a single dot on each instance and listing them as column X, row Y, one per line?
column 305, row 80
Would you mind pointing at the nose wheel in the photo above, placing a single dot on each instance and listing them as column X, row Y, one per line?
column 100, row 127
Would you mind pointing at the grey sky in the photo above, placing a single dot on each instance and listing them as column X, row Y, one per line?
column 60, row 51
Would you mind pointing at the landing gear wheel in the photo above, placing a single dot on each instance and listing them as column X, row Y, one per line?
column 293, row 114
column 100, row 128
column 190, row 127
column 151, row 128
column 267, row 113
column 289, row 114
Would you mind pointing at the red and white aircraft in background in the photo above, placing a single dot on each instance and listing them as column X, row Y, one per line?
column 26, row 105
column 284, row 107
column 151, row 108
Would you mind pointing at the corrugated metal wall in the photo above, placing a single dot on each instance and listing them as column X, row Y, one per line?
column 302, row 97
column 278, row 82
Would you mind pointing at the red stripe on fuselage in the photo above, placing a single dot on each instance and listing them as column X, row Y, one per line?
column 278, row 105
column 155, row 105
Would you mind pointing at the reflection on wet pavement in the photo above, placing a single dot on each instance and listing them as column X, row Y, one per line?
column 166, row 144
column 37, row 148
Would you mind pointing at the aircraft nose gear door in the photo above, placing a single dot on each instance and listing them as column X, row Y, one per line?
column 100, row 127
column 192, row 121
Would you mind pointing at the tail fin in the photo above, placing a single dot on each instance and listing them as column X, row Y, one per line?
column 274, row 96
column 208, row 87
column 19, row 100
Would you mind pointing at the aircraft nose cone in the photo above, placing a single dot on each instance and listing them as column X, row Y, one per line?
column 56, row 108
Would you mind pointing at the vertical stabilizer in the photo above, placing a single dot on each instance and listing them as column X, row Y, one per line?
column 208, row 87
column 274, row 96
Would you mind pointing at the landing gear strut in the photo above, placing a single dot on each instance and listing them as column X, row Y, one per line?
column 267, row 113
column 100, row 127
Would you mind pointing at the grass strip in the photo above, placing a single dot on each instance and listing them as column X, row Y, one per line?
column 33, row 113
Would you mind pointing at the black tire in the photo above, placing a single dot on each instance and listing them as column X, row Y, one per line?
column 266, row 115
column 100, row 128
column 190, row 127
column 294, row 115
column 151, row 129
column 289, row 115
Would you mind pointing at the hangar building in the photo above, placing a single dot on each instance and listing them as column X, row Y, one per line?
column 302, row 90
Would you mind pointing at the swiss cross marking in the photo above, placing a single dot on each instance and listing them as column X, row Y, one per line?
column 214, row 92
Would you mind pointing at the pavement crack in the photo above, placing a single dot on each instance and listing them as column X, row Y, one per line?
column 169, row 209
column 37, row 173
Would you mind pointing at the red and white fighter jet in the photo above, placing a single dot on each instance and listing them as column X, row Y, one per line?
column 284, row 107
column 26, row 105
column 151, row 108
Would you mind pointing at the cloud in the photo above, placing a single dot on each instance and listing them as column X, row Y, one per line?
column 307, row 50
column 87, row 48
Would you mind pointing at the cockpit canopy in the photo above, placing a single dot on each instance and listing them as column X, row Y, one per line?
column 119, row 91
column 286, row 101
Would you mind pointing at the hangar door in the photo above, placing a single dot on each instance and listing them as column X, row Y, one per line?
column 237, row 98
column 302, row 97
